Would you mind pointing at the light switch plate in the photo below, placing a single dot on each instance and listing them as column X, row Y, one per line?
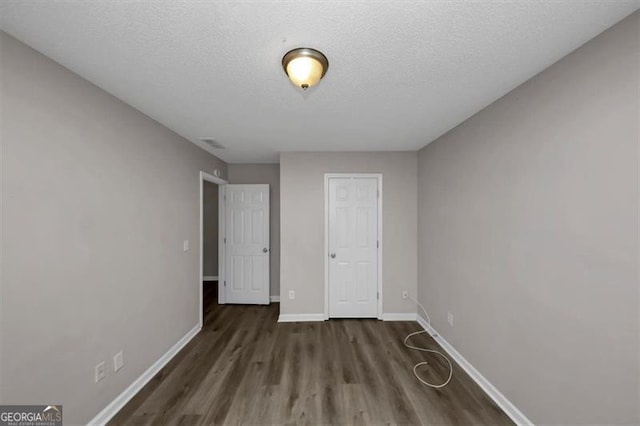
column 185, row 245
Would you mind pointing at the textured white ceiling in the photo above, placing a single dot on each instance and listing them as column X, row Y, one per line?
column 400, row 74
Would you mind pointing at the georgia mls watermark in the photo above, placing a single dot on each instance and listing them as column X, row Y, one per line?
column 30, row 415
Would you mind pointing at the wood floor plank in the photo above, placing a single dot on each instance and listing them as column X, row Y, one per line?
column 245, row 368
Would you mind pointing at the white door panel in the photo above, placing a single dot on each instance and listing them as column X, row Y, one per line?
column 353, row 247
column 247, row 244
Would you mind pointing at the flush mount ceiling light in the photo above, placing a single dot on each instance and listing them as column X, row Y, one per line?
column 305, row 67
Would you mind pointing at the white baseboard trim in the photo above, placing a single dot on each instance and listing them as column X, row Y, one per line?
column 401, row 316
column 507, row 406
column 116, row 405
column 300, row 317
column 274, row 298
column 210, row 278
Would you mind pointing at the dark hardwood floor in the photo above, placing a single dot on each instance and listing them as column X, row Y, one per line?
column 245, row 368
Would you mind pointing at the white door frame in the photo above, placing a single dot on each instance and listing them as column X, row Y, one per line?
column 204, row 176
column 327, row 176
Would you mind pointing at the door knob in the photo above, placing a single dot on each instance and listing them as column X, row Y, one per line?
column 264, row 250
column 333, row 255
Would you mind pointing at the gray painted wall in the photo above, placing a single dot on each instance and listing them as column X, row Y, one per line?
column 210, row 229
column 302, row 225
column 96, row 201
column 528, row 233
column 269, row 174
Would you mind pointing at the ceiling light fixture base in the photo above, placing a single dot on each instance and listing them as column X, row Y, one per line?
column 305, row 66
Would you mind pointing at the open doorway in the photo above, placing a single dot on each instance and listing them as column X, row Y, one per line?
column 211, row 230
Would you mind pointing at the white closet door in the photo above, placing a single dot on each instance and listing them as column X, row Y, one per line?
column 353, row 245
column 247, row 244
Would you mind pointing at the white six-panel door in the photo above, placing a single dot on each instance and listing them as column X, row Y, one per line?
column 353, row 245
column 247, row 244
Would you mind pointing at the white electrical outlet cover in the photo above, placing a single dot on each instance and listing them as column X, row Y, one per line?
column 118, row 361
